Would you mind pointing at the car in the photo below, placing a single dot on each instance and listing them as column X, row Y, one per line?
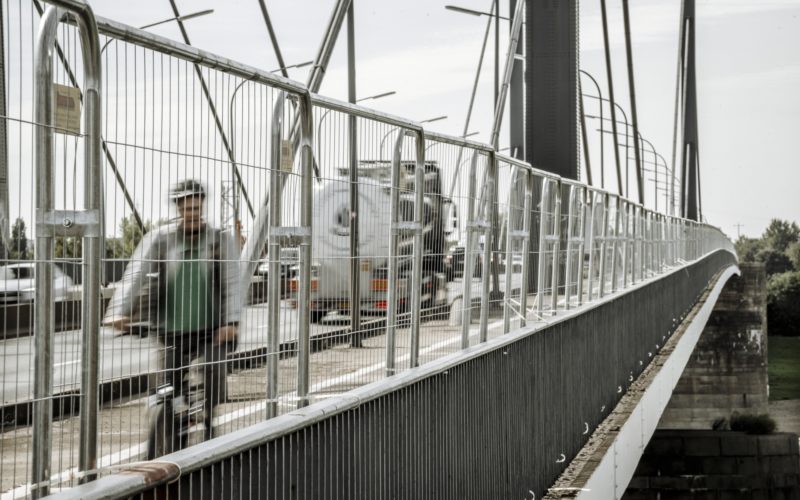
column 17, row 283
column 289, row 259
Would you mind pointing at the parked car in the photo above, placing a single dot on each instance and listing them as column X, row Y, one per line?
column 289, row 259
column 17, row 283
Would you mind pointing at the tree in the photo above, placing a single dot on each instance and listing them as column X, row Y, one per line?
column 783, row 304
column 748, row 248
column 775, row 262
column 793, row 252
column 124, row 246
column 780, row 234
column 132, row 234
column 19, row 241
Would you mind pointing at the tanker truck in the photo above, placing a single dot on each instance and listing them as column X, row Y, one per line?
column 330, row 273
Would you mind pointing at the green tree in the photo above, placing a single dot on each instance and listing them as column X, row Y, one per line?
column 19, row 241
column 748, row 248
column 68, row 247
column 132, row 234
column 793, row 252
column 783, row 304
column 775, row 262
column 124, row 246
column 780, row 234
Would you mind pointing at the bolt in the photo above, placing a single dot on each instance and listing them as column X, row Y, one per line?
column 67, row 222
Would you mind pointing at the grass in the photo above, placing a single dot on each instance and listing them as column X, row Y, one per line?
column 784, row 367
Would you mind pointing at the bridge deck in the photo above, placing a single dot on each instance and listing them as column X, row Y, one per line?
column 123, row 422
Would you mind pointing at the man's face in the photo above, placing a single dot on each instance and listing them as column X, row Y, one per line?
column 190, row 210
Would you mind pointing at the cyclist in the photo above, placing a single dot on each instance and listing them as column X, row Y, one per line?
column 188, row 274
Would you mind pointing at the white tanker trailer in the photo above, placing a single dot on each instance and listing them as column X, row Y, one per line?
column 330, row 275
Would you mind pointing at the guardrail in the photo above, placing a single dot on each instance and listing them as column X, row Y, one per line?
column 453, row 235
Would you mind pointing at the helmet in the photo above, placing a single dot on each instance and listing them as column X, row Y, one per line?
column 184, row 189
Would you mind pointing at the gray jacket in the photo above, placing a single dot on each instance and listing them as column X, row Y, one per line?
column 157, row 259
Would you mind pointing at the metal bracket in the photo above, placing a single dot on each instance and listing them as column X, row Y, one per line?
column 406, row 227
column 68, row 223
column 290, row 236
column 519, row 234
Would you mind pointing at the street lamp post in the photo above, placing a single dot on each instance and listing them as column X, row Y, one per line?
column 602, row 138
column 429, row 120
column 325, row 114
column 293, row 66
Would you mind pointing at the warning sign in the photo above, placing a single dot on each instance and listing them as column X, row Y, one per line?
column 67, row 109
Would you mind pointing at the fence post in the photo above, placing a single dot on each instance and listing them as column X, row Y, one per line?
column 542, row 246
column 490, row 207
column 394, row 215
column 570, row 247
column 508, row 258
column 601, row 292
column 625, row 240
column 273, row 253
column 304, row 232
column 86, row 223
column 527, row 223
column 581, row 243
column 469, row 259
column 556, row 247
column 592, row 215
column 416, row 282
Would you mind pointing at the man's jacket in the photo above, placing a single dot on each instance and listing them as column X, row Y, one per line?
column 142, row 291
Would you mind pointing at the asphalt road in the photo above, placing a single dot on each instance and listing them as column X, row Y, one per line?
column 126, row 356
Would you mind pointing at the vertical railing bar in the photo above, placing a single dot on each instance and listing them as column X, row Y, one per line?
column 392, row 292
column 624, row 240
column 489, row 217
column 568, row 262
column 507, row 308
column 273, row 254
column 93, row 236
column 416, row 285
column 556, row 247
column 469, row 259
column 44, row 318
column 542, row 246
column 527, row 222
column 603, row 247
column 581, row 244
column 614, row 244
column 306, row 211
column 592, row 215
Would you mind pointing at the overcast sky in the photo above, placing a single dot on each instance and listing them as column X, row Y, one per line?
column 748, row 75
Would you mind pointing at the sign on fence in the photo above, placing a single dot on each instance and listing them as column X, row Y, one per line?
column 68, row 109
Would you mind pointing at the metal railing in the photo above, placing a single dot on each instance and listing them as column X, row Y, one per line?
column 458, row 243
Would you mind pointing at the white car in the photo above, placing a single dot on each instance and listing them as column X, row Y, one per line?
column 17, row 283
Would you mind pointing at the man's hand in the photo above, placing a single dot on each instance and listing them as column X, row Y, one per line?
column 120, row 323
column 225, row 334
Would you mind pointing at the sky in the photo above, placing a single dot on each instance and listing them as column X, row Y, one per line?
column 748, row 66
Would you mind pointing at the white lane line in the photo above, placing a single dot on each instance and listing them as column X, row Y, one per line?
column 139, row 449
column 72, row 473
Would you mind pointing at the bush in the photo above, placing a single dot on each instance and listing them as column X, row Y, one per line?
column 752, row 424
column 783, row 304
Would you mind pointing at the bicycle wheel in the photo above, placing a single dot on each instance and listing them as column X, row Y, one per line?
column 163, row 433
